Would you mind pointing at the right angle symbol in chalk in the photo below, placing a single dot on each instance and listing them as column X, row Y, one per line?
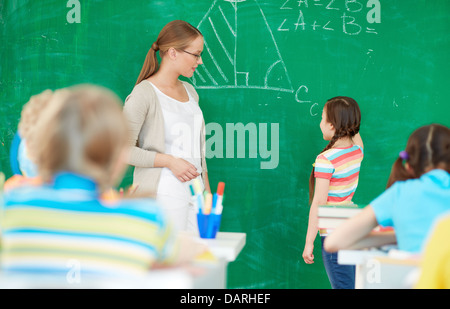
column 240, row 50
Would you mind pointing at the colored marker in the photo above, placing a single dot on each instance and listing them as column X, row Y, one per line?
column 194, row 197
column 220, row 188
column 219, row 201
column 197, row 186
column 208, row 204
column 198, row 194
column 214, row 203
column 200, row 205
column 219, row 206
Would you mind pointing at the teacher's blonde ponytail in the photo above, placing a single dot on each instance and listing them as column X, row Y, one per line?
column 177, row 34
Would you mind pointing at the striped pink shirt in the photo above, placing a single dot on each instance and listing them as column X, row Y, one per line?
column 341, row 166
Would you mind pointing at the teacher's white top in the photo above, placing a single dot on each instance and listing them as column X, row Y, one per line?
column 182, row 129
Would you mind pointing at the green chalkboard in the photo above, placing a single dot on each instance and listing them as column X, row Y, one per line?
column 269, row 66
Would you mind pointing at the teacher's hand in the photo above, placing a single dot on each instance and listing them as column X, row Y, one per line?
column 182, row 169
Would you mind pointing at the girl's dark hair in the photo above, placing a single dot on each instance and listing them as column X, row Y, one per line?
column 427, row 147
column 345, row 116
column 177, row 34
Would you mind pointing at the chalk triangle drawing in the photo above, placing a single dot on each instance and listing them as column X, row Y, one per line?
column 240, row 50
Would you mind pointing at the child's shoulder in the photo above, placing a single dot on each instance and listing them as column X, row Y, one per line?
column 342, row 151
column 333, row 153
column 19, row 181
column 138, row 207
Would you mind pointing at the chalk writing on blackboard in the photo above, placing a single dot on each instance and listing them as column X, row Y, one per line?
column 222, row 27
column 224, row 68
column 351, row 17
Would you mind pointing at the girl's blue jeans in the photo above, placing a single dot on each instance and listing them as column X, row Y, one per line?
column 340, row 276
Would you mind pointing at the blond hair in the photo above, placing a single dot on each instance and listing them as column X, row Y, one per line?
column 31, row 112
column 83, row 130
column 177, row 34
column 30, row 115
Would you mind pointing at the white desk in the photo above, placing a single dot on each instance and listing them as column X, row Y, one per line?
column 380, row 269
column 358, row 257
column 225, row 247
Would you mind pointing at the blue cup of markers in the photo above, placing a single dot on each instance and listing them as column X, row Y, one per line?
column 208, row 225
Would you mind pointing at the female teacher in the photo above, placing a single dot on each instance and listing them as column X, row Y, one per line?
column 167, row 127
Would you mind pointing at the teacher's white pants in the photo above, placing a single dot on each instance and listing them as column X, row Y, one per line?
column 181, row 213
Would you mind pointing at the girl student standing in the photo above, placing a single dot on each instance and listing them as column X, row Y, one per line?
column 418, row 193
column 167, row 126
column 334, row 179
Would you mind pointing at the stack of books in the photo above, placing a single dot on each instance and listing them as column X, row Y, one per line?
column 331, row 216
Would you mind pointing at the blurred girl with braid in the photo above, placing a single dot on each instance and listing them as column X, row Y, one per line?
column 334, row 179
column 418, row 193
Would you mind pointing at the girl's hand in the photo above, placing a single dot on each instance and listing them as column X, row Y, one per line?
column 308, row 255
column 182, row 169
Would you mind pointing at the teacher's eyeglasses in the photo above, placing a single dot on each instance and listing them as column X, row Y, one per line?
column 198, row 56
